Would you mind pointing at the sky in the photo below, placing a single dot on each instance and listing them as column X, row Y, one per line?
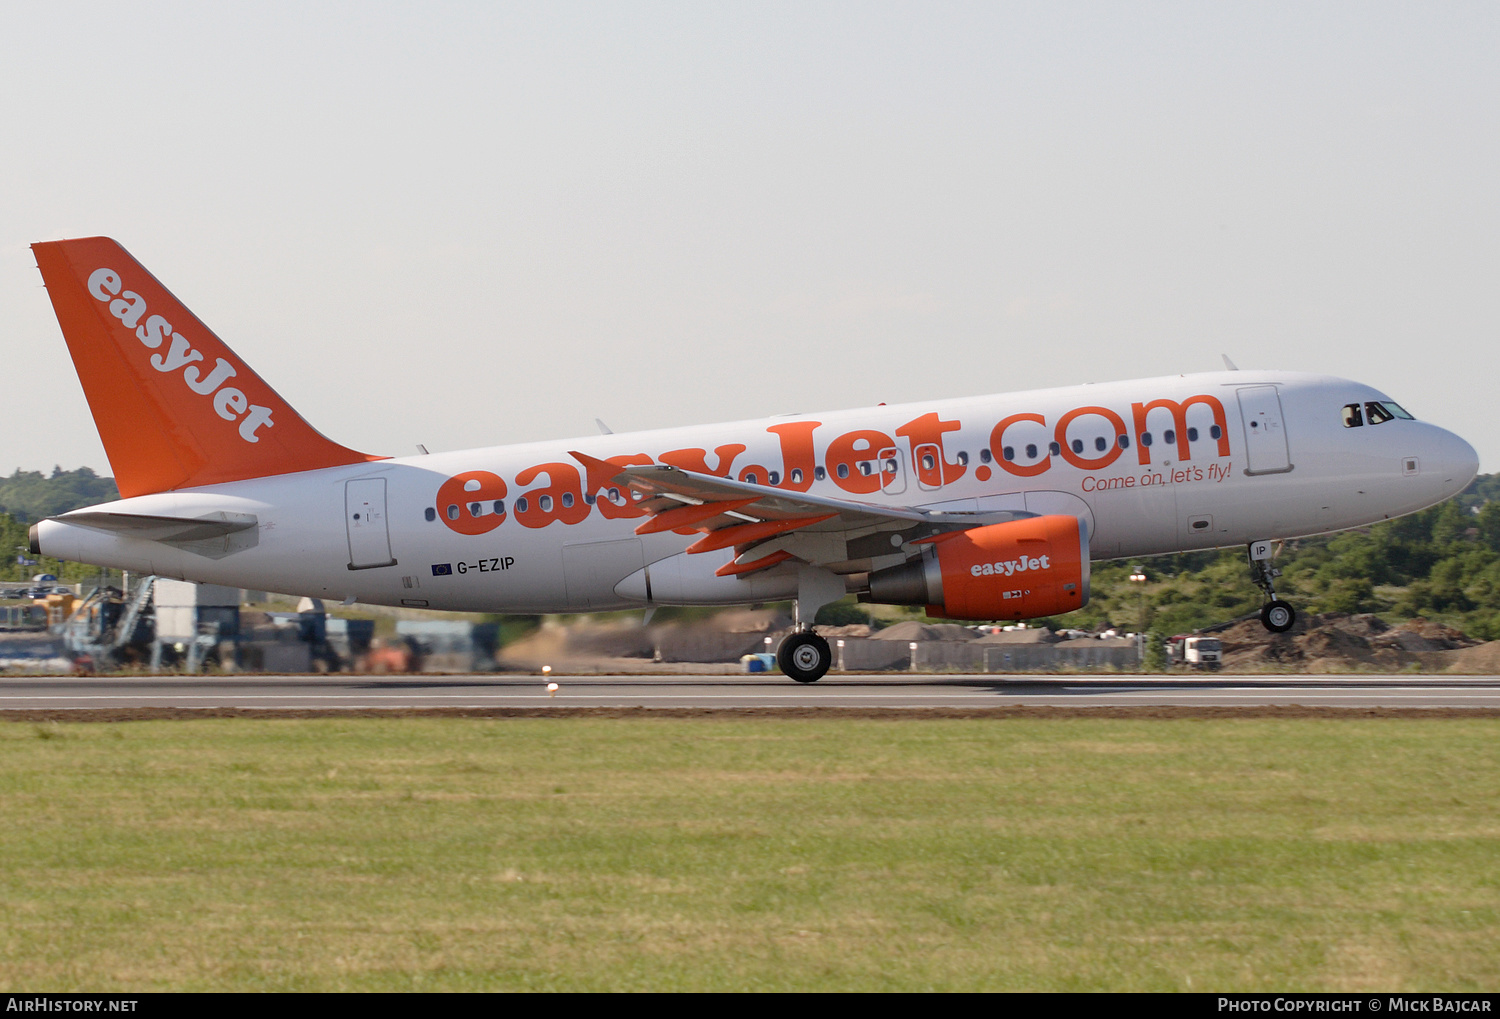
column 469, row 224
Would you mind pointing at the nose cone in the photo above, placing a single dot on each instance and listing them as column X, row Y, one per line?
column 1455, row 464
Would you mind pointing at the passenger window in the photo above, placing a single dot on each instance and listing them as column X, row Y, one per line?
column 984, row 456
column 1078, row 445
column 773, row 478
column 963, row 459
column 1192, row 435
column 819, row 474
column 499, row 507
column 1352, row 416
column 522, row 504
column 843, row 470
column 1146, row 439
column 1100, row 444
column 796, row 475
column 1031, row 451
column 567, row 501
column 752, row 478
column 430, row 513
column 1008, row 452
column 1169, row 436
column 890, row 466
column 1054, row 448
column 453, row 512
column 1376, row 414
column 1215, row 432
column 1124, row 441
column 544, row 504
column 928, row 463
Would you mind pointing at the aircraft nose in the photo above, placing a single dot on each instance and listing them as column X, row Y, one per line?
column 1455, row 463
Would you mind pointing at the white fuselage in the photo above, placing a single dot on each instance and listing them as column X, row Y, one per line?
column 1154, row 466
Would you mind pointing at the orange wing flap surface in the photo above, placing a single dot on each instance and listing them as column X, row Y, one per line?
column 739, row 569
column 699, row 516
column 748, row 534
column 743, row 515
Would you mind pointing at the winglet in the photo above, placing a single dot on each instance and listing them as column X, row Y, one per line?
column 175, row 407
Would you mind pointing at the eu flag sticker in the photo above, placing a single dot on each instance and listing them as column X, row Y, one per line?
column 442, row 569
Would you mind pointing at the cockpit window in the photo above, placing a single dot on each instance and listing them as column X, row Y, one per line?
column 1375, row 412
column 1382, row 413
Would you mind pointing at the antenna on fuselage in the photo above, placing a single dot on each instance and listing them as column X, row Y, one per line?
column 604, row 429
column 1230, row 365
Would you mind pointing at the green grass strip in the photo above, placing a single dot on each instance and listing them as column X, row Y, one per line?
column 751, row 854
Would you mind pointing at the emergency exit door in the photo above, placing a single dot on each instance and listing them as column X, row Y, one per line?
column 364, row 516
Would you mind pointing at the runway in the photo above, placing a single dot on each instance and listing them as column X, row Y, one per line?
column 678, row 692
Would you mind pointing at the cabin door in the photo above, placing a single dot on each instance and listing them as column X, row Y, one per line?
column 1265, row 433
column 364, row 516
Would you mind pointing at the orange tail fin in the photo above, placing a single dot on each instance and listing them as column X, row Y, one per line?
column 174, row 405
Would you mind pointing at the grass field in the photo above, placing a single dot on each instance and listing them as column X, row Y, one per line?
column 738, row 854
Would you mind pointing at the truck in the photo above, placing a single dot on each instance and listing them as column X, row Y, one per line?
column 1195, row 652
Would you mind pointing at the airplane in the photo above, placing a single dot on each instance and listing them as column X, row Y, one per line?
column 978, row 508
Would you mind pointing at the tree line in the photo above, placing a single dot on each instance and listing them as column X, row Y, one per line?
column 29, row 496
column 1441, row 564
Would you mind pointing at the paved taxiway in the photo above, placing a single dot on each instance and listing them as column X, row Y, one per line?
column 700, row 692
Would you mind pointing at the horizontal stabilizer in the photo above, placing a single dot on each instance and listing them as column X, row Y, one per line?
column 156, row 528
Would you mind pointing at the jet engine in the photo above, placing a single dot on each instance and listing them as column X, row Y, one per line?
column 1021, row 569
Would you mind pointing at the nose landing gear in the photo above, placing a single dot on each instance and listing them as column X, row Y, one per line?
column 1275, row 615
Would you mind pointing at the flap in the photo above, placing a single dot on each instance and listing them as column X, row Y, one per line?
column 750, row 514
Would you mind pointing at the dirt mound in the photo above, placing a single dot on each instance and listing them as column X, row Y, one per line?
column 1339, row 641
column 851, row 630
column 749, row 621
column 912, row 630
column 1479, row 660
column 1422, row 635
column 1030, row 635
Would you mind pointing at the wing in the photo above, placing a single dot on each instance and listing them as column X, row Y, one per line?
column 767, row 525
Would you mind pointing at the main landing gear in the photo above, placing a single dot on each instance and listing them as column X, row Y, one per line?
column 804, row 656
column 1275, row 615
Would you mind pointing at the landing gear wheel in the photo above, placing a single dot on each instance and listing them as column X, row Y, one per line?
column 804, row 656
column 1277, row 616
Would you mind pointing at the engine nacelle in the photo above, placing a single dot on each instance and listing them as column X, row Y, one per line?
column 1021, row 569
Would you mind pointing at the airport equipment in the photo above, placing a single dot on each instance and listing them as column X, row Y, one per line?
column 1195, row 652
